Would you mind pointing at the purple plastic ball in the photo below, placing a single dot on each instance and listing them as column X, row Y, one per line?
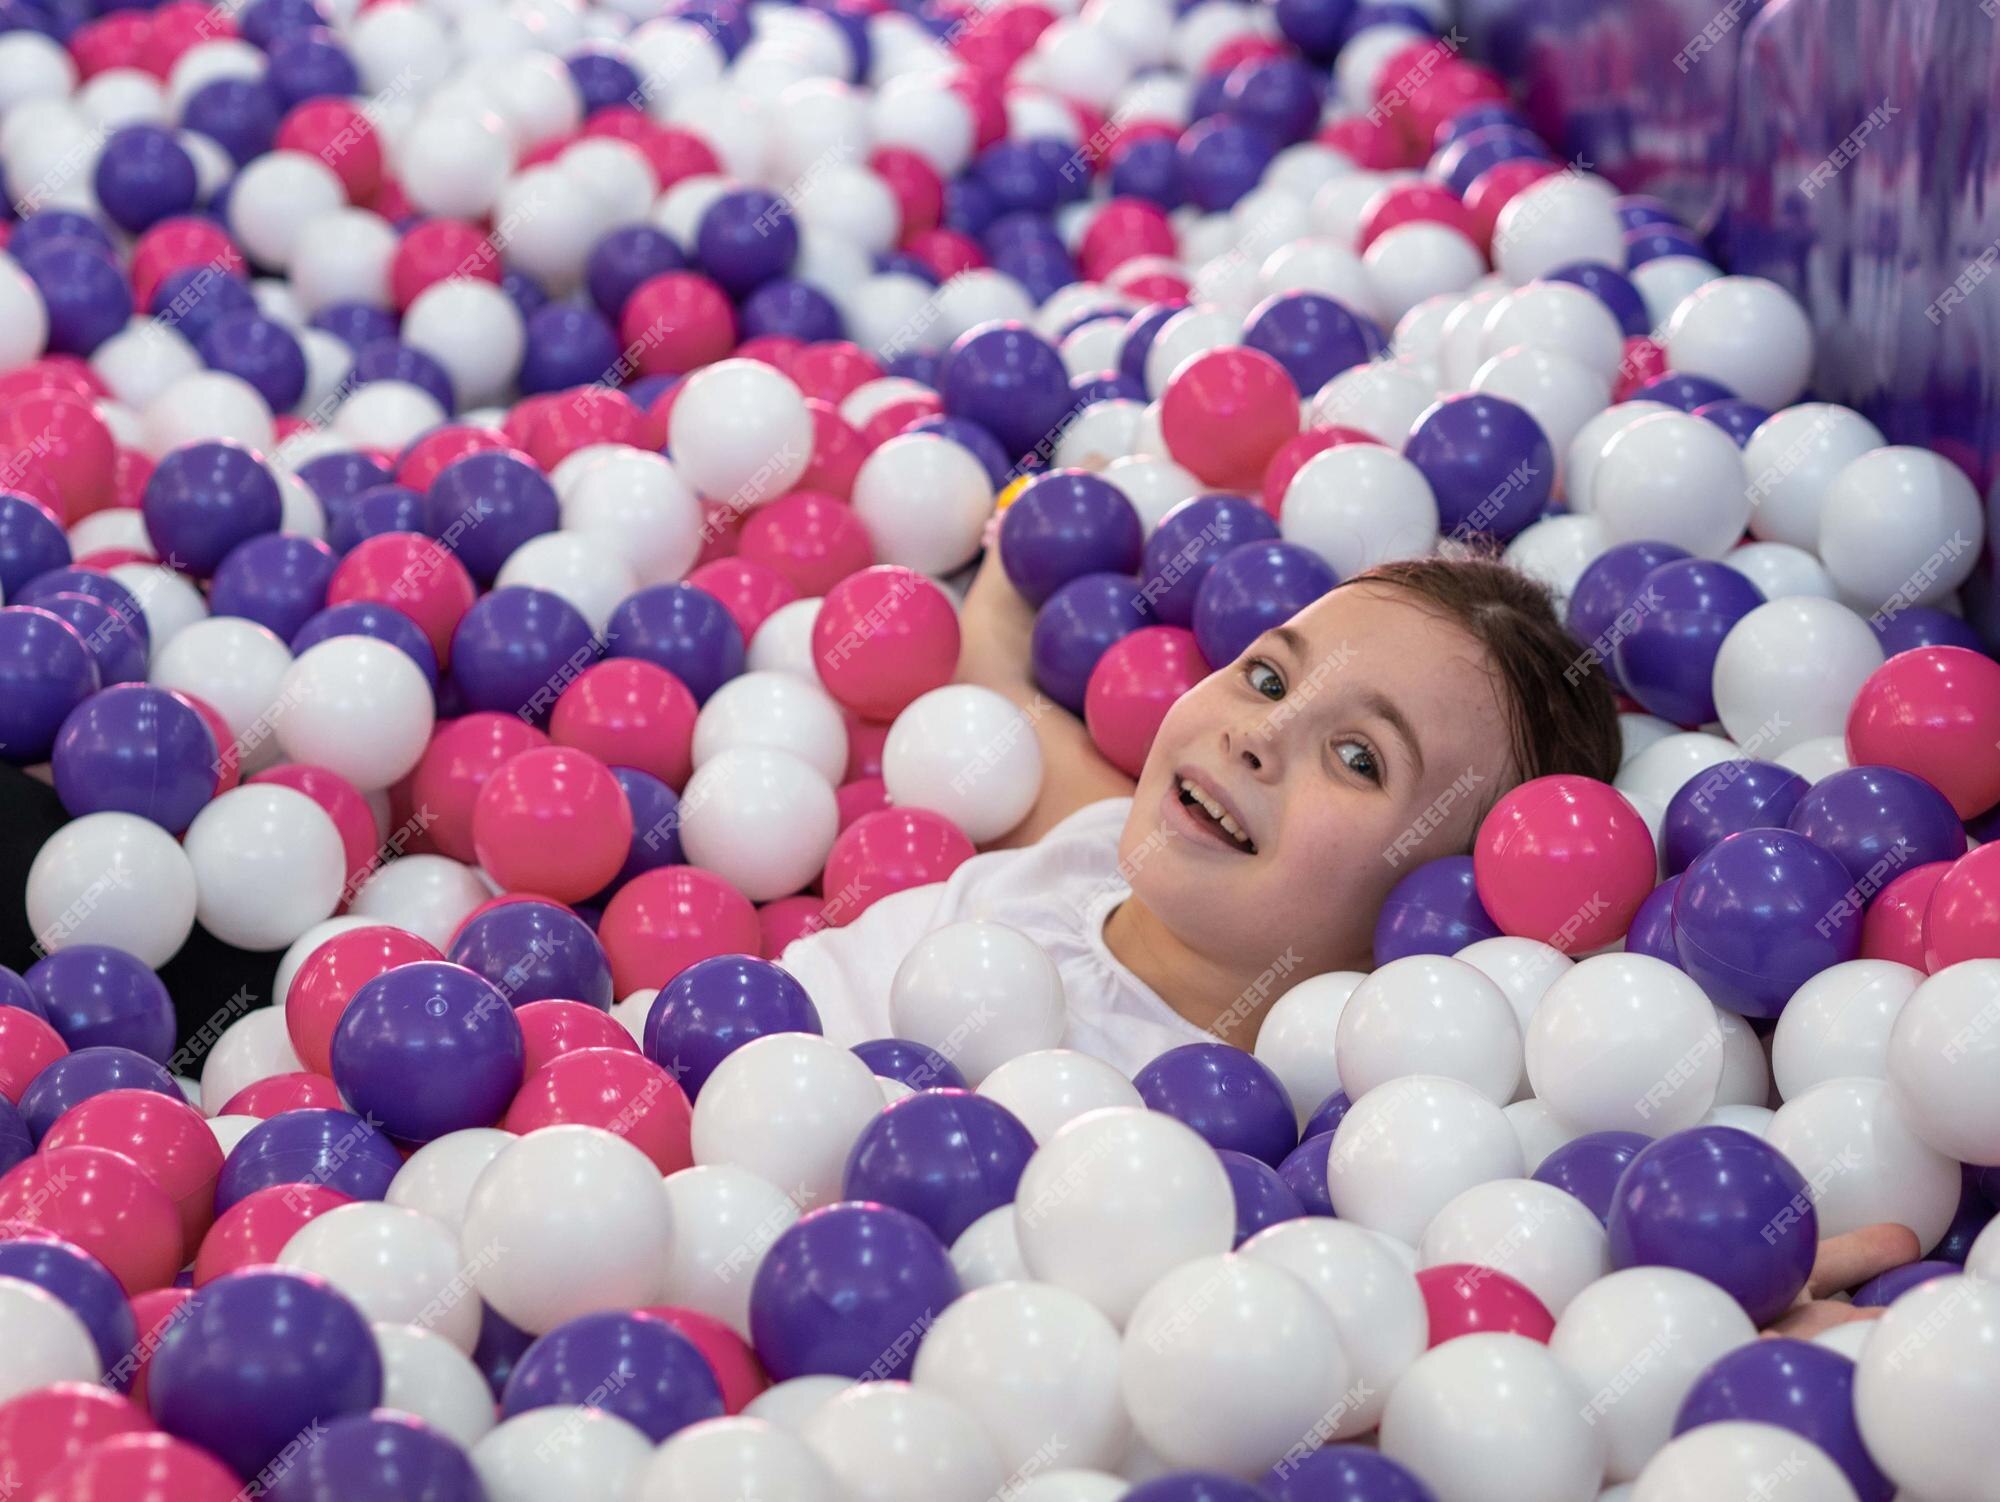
column 1652, row 931
column 429, row 1048
column 1739, row 419
column 278, row 580
column 338, row 476
column 76, row 1077
column 1722, row 1204
column 566, row 345
column 17, row 1143
column 383, row 1456
column 1227, row 1095
column 115, row 642
column 1760, row 914
column 1196, row 1486
column 99, row 997
column 262, row 352
column 206, row 499
column 336, row 1149
column 1879, row 822
column 31, row 543
column 1726, row 799
column 516, row 644
column 1065, row 524
column 1678, row 389
column 143, row 175
column 1186, row 545
column 1601, row 608
column 1488, row 463
column 1682, row 612
column 1435, row 909
column 1916, row 626
column 1313, row 336
column 135, row 749
column 1590, row 1166
column 656, row 827
column 1304, row 1172
column 682, row 629
column 717, row 1005
column 486, row 505
column 1220, row 160
column 1885, row 1288
column 1076, row 626
column 257, row 1358
column 1011, row 381
column 746, row 237
column 86, row 1286
column 1252, row 589
column 945, row 1156
column 46, row 671
column 1345, row 1473
column 911, row 1064
column 535, row 951
column 86, row 295
column 848, row 1291
column 1798, row 1386
column 1612, row 288
column 635, row 1366
column 1262, row 1194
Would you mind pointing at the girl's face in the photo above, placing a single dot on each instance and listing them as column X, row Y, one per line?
column 1288, row 792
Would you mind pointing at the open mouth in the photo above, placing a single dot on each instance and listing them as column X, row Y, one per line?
column 1207, row 810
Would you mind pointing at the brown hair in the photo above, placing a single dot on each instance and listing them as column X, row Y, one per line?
column 1564, row 717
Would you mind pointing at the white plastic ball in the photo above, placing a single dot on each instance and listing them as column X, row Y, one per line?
column 1556, row 550
column 980, row 993
column 1321, row 265
column 254, row 1047
column 1635, row 1342
column 139, row 362
column 387, row 415
column 115, row 879
column 1562, row 219
column 1900, row 526
column 473, row 330
column 1788, row 672
column 775, row 710
column 1781, row 571
column 1666, row 282
column 1372, row 1293
column 1357, row 505
column 761, row 817
column 268, row 865
column 358, row 707
column 1817, row 758
column 1741, row 1458
column 1556, row 315
column 1837, row 1025
column 1118, row 1199
column 1100, row 434
column 1625, row 1043
column 1944, row 1061
column 273, row 200
column 1037, row 1366
column 1496, row 1417
column 1153, row 486
column 1557, row 389
column 723, row 1460
column 46, row 1341
column 965, row 752
column 436, row 1180
column 1049, row 1088
column 394, row 1265
column 1587, row 447
column 1864, row 1162
column 725, row 1219
column 891, row 1442
column 1408, row 1148
column 430, row 895
column 1920, row 1385
column 786, row 1107
column 1661, row 769
column 740, row 432
column 1418, row 260
column 1297, row 1039
column 1748, row 333
column 981, row 295
column 1539, row 1131
column 1793, row 459
column 1229, row 1362
column 616, row 174
column 343, row 255
column 1523, row 969
column 209, row 404
column 783, row 644
column 1676, row 478
column 588, row 570
column 989, row 1251
column 535, row 94
column 602, row 1251
column 1544, row 1238
column 429, row 1378
column 790, row 1403
column 1382, row 400
column 1433, row 1015
column 454, row 163
column 924, row 500
column 561, row 1454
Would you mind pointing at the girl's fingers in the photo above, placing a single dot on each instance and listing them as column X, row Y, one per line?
column 1849, row 1260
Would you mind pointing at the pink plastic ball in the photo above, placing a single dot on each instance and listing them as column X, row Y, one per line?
column 1414, row 203
column 1465, row 1299
column 1497, row 187
column 141, row 1468
column 678, row 322
column 787, row 920
column 886, row 852
column 228, row 755
column 660, row 922
column 254, row 1230
column 70, row 442
column 1226, row 413
column 1962, row 921
column 589, row 415
column 630, row 713
column 838, row 452
column 883, row 637
column 1367, row 142
column 301, row 1090
column 28, row 1045
column 1893, row 926
column 550, row 1029
column 1934, row 711
column 832, row 370
column 750, row 591
column 462, row 756
column 344, row 805
column 166, row 1138
column 946, row 252
column 918, row 190
column 425, row 459
column 117, row 40
column 1565, row 860
column 152, row 1311
column 103, row 1202
column 865, row 742
column 327, row 981
column 1133, row 686
column 860, row 798
column 339, row 134
column 1123, row 230
column 435, row 251
column 552, row 821
column 416, row 576
column 618, row 1089
column 1293, row 456
column 43, row 1430
column 811, row 541
column 1644, row 359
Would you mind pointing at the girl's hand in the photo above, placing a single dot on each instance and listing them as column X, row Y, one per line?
column 1844, row 1262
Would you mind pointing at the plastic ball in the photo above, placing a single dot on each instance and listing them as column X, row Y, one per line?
column 399, row 1025
column 1655, row 1057
column 1887, row 1172
column 360, row 708
column 535, row 951
column 787, row 1107
column 1790, row 671
column 1226, row 412
column 1133, row 686
column 333, row 1149
column 1797, row 1386
column 1579, row 847
column 414, row 575
column 1067, row 523
column 1252, row 589
column 49, row 672
column 1911, row 1416
column 924, row 500
column 1934, row 712
column 1748, row 951
column 268, row 864
column 1673, row 478
column 714, row 1007
column 542, row 790
column 882, row 638
column 116, row 879
column 1431, row 1015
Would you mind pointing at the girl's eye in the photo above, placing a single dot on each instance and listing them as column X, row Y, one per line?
column 1264, row 679
column 1358, row 759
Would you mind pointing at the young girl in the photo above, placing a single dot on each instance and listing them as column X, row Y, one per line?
column 1282, row 799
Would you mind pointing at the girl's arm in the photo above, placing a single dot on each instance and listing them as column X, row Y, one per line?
column 995, row 627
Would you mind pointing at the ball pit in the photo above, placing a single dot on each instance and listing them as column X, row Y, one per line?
column 489, row 504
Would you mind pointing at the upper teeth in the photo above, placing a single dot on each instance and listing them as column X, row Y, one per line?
column 1216, row 812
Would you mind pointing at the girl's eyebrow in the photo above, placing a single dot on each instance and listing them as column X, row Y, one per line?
column 1385, row 709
